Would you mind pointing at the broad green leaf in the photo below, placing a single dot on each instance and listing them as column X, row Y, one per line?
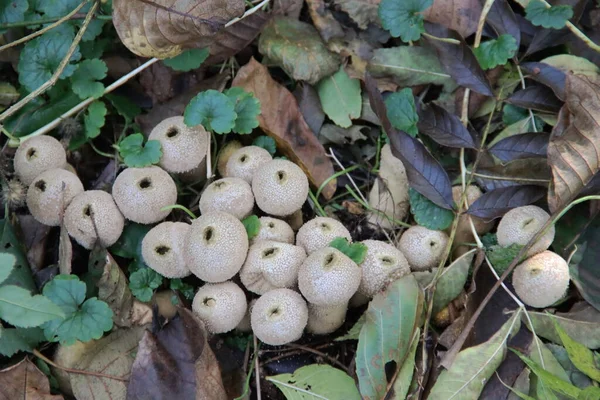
column 19, row 308
column 66, row 291
column 129, row 244
column 390, row 323
column 355, row 251
column 574, row 376
column 247, row 108
column 405, row 375
column 316, row 382
column 589, row 393
column 7, row 262
column 125, row 107
column 354, row 332
column 402, row 18
column 496, row 51
column 211, row 109
column 188, row 60
column 267, row 143
column 402, row 112
column 427, row 213
column 11, row 244
column 94, row 119
column 573, row 64
column 474, row 366
column 14, row 340
column 541, row 355
column 340, row 98
column 582, row 357
column 58, row 8
column 143, row 283
column 252, row 225
column 137, row 154
column 94, row 48
column 501, row 257
column 185, row 288
column 548, row 17
column 84, row 80
column 452, row 281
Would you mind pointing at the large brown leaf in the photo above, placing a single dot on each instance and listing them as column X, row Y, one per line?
column 459, row 15
column 25, row 381
column 574, row 152
column 281, row 119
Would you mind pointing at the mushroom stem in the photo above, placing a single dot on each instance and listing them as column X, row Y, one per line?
column 325, row 319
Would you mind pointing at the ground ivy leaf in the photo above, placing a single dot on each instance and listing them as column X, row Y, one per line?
column 402, row 112
column 66, row 291
column 355, row 251
column 19, row 308
column 7, row 262
column 20, row 339
column 84, row 79
column 247, row 108
column 252, row 225
column 143, row 282
column 12, row 11
column 59, row 8
column 93, row 120
column 267, row 143
column 427, row 213
column 548, row 17
column 501, row 257
column 188, row 60
column 340, row 97
column 213, row 110
column 496, row 52
column 136, row 154
column 186, row 289
column 402, row 18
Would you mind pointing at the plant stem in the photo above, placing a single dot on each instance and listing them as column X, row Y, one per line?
column 51, row 20
column 320, row 210
column 337, row 174
column 76, row 371
column 179, row 207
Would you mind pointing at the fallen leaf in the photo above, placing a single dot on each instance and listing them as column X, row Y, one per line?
column 452, row 281
column 11, row 244
column 444, row 128
column 459, row 15
column 25, row 381
column 537, row 97
column 340, row 98
column 281, row 119
column 35, row 235
column 310, row 106
column 496, row 203
column 316, row 381
column 236, row 37
column 527, row 171
column 324, row 21
column 572, row 64
column 113, row 288
column 363, row 12
column 334, row 134
column 525, row 145
column 547, row 75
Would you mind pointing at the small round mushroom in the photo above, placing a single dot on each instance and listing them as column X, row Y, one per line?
column 216, row 246
column 141, row 193
column 383, row 263
column 231, row 195
column 328, row 277
column 280, row 187
column 50, row 194
column 225, row 154
column 541, row 280
column 521, row 224
column 279, row 317
column 422, row 247
column 323, row 320
column 36, row 155
column 274, row 229
column 163, row 249
column 183, row 147
column 244, row 162
column 319, row 232
column 271, row 265
column 221, row 306
column 93, row 217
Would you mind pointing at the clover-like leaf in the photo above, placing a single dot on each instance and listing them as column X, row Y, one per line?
column 188, row 60
column 402, row 18
column 402, row 112
column 93, row 120
column 267, row 143
column 252, row 225
column 213, row 110
column 496, row 52
column 143, row 282
column 84, row 80
column 247, row 108
column 355, row 251
column 427, row 213
column 137, row 154
column 548, row 17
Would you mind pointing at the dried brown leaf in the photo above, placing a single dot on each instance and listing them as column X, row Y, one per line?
column 65, row 251
column 113, row 288
column 324, row 21
column 25, row 381
column 363, row 12
column 459, row 15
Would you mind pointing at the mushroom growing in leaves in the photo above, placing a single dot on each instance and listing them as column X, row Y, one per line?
column 244, row 162
column 279, row 317
column 163, row 249
column 542, row 279
column 50, row 193
column 230, row 195
column 319, row 232
column 323, row 320
column 37, row 155
column 521, row 224
column 221, row 306
column 383, row 262
column 286, row 180
column 422, row 247
column 274, row 229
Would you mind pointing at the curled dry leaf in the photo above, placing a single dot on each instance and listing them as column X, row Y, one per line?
column 281, row 119
column 25, row 381
column 324, row 21
column 113, row 288
column 459, row 15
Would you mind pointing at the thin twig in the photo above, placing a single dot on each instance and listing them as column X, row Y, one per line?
column 320, row 354
column 247, row 13
column 507, row 178
column 76, row 371
column 337, row 161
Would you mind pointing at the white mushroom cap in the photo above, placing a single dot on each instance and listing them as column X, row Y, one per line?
column 50, row 193
column 279, row 317
column 383, row 262
column 473, row 193
column 163, row 249
column 183, row 147
column 280, row 187
column 319, row 232
column 245, row 161
column 328, row 277
column 223, row 157
column 521, row 224
column 542, row 279
column 37, row 155
column 231, row 195
column 271, row 265
column 93, row 217
column 141, row 193
column 221, row 306
column 274, row 229
column 422, row 247
column 216, row 246
column 323, row 320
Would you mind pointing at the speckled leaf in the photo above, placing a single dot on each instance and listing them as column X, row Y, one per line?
column 405, row 375
column 452, row 281
column 363, row 12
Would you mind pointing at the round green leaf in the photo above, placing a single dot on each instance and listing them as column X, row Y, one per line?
column 213, row 110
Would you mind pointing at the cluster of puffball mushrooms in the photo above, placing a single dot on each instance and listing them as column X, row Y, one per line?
column 302, row 283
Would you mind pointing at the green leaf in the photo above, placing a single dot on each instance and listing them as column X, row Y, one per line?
column 186, row 289
column 143, row 282
column 211, row 109
column 94, row 48
column 554, row 17
column 136, row 154
column 94, row 119
column 19, row 308
column 452, row 281
column 581, row 356
column 125, row 107
column 247, row 108
column 501, row 257
column 11, row 244
column 496, row 51
column 58, row 8
column 541, row 355
column 390, row 324
column 84, row 80
column 402, row 18
column 427, row 213
column 589, row 393
column 14, row 340
column 316, row 382
column 402, row 112
column 354, row 332
column 252, row 225
column 188, row 60
column 574, row 376
column 7, row 262
column 340, row 98
column 12, row 11
column 267, row 143
column 405, row 375
column 355, row 251
column 129, row 244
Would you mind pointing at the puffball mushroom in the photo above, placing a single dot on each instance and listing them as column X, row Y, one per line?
column 542, row 279
column 319, row 232
column 521, row 224
column 328, row 277
column 323, row 320
column 244, row 162
column 231, row 195
column 274, row 229
column 50, row 193
column 271, row 265
column 216, row 246
column 383, row 262
column 183, row 147
column 93, row 217
column 141, row 193
column 422, row 247
column 280, row 187
column 163, row 249
column 221, row 306
column 37, row 155
column 279, row 317
column 473, row 193
column 224, row 155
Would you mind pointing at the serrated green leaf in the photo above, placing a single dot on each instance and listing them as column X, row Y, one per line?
column 93, row 30
column 19, row 308
column 402, row 112
column 452, row 281
column 66, row 291
column 7, row 262
column 125, row 107
column 12, row 11
column 548, row 17
column 14, row 340
column 84, row 80
column 94, row 119
column 355, row 251
column 94, row 48
column 143, row 283
column 267, row 143
column 582, row 357
column 136, row 154
column 501, row 257
column 211, row 109
column 58, row 8
column 402, row 18
column 340, row 98
column 252, row 225
column 188, row 60
column 247, row 108
column 496, row 51
column 427, row 213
